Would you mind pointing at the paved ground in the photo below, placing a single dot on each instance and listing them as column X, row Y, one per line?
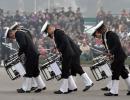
column 8, row 90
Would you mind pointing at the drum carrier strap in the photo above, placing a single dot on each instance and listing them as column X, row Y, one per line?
column 105, row 41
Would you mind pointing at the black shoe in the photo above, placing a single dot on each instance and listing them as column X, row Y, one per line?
column 33, row 88
column 128, row 93
column 39, row 90
column 105, row 89
column 69, row 91
column 110, row 94
column 22, row 91
column 88, row 87
column 60, row 92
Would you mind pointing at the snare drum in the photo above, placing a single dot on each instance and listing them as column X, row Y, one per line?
column 101, row 70
column 14, row 67
column 52, row 68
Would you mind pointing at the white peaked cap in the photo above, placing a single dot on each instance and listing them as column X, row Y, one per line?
column 6, row 32
column 44, row 26
column 14, row 25
column 92, row 30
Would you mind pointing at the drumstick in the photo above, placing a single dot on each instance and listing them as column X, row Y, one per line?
column 8, row 46
column 97, row 50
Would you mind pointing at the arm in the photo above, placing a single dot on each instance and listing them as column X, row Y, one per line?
column 63, row 43
column 21, row 39
column 113, row 43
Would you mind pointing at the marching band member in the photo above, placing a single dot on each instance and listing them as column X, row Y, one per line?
column 112, row 44
column 71, row 58
column 27, row 47
column 17, row 26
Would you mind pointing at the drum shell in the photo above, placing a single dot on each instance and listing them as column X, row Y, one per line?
column 14, row 67
column 101, row 70
column 51, row 68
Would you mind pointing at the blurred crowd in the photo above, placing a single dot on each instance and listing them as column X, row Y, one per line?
column 68, row 20
column 115, row 22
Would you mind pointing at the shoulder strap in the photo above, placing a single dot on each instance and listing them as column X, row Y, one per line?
column 105, row 41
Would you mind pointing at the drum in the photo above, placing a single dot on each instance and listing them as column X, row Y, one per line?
column 100, row 58
column 101, row 70
column 51, row 68
column 14, row 67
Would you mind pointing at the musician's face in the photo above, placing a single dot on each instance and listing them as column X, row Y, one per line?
column 12, row 35
column 98, row 35
column 50, row 31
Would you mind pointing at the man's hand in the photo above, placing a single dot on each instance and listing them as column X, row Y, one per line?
column 54, row 50
column 109, row 55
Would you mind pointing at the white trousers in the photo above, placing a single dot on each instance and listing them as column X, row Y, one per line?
column 86, row 79
column 64, row 86
column 71, row 83
column 128, row 82
column 33, row 82
column 27, row 83
column 115, row 86
column 109, row 85
column 40, row 83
